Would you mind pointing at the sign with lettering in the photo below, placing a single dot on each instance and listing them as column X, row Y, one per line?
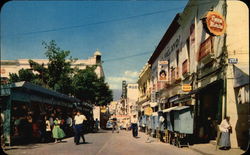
column 215, row 23
column 232, row 60
column 162, row 70
column 148, row 111
column 186, row 87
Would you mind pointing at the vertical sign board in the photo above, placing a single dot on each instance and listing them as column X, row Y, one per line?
column 162, row 70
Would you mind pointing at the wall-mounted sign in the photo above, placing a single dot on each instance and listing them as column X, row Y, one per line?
column 186, row 87
column 162, row 70
column 215, row 23
column 148, row 111
column 232, row 60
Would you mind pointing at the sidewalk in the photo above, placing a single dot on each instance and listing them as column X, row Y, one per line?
column 204, row 149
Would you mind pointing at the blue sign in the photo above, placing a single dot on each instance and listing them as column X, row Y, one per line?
column 232, row 60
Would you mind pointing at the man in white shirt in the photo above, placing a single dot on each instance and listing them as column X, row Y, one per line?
column 134, row 123
column 79, row 119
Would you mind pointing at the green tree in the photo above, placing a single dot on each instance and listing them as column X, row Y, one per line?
column 59, row 73
column 23, row 75
column 91, row 89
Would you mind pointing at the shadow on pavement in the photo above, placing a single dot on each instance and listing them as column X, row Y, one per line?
column 85, row 143
column 201, row 152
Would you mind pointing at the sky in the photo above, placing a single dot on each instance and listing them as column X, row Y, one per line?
column 125, row 32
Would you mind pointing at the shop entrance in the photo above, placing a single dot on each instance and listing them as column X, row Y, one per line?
column 209, row 111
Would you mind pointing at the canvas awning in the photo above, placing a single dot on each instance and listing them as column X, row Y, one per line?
column 145, row 104
column 153, row 104
column 181, row 108
column 169, row 109
column 155, row 114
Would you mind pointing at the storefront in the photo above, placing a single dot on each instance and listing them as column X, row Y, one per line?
column 208, row 111
column 24, row 105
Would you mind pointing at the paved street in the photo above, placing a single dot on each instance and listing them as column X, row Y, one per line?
column 106, row 143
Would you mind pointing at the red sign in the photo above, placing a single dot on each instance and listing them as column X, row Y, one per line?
column 215, row 23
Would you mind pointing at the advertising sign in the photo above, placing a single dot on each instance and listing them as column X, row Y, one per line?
column 215, row 23
column 162, row 70
column 186, row 87
column 148, row 111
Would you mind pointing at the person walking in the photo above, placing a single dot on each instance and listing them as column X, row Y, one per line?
column 134, row 124
column 78, row 121
column 57, row 132
column 225, row 129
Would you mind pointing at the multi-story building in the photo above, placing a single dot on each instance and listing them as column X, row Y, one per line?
column 206, row 48
column 13, row 66
column 144, row 89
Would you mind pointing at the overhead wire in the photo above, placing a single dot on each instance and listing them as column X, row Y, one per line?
column 97, row 23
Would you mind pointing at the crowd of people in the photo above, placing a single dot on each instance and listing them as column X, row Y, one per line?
column 50, row 126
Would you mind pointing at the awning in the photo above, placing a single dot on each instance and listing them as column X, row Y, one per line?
column 240, row 77
column 169, row 109
column 153, row 104
column 183, row 98
column 181, row 108
column 155, row 114
column 145, row 104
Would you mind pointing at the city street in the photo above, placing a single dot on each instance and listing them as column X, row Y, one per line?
column 106, row 143
column 103, row 143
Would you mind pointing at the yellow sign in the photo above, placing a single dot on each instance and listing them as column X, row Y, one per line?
column 148, row 111
column 186, row 87
column 103, row 109
column 215, row 23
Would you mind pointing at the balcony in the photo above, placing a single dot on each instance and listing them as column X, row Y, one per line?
column 206, row 53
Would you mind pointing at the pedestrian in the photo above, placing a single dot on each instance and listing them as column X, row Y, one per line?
column 57, row 132
column 48, row 130
column 134, row 124
column 78, row 124
column 96, row 124
column 225, row 129
column 69, row 123
column 114, row 125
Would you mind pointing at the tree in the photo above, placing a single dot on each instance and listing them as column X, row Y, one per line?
column 91, row 89
column 23, row 75
column 60, row 76
column 59, row 68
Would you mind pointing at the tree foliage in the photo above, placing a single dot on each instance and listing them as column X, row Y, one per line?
column 60, row 76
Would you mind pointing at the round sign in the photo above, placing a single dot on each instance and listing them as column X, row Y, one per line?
column 215, row 23
column 148, row 111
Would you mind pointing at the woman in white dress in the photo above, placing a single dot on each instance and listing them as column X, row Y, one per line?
column 225, row 129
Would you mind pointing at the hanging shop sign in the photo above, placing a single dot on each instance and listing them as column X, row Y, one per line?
column 215, row 23
column 186, row 87
column 148, row 111
column 162, row 70
column 103, row 109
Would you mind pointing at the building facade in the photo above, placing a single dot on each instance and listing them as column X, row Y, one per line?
column 207, row 68
column 13, row 66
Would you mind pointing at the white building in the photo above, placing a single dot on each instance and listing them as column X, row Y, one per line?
column 13, row 66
